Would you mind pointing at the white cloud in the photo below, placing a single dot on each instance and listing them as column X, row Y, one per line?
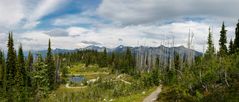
column 40, row 40
column 146, row 34
column 90, row 42
column 148, row 11
column 17, row 14
column 57, row 33
column 134, row 35
column 77, row 31
column 11, row 13
column 3, row 41
column 31, row 24
column 43, row 8
column 87, row 17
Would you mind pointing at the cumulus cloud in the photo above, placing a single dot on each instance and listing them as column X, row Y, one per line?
column 147, row 11
column 148, row 35
column 90, row 42
column 77, row 31
column 3, row 40
column 27, row 39
column 11, row 13
column 134, row 35
column 57, row 33
column 16, row 14
column 42, row 8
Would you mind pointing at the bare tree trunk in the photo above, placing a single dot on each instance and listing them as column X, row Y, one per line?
column 225, row 74
column 58, row 64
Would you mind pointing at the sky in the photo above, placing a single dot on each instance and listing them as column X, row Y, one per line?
column 72, row 24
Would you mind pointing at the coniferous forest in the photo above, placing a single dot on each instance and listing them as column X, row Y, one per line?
column 114, row 76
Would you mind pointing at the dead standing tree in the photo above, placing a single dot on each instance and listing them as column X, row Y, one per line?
column 190, row 52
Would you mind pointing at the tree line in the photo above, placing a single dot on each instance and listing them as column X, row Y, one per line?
column 118, row 62
column 25, row 79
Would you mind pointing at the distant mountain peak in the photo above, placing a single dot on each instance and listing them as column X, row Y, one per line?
column 120, row 46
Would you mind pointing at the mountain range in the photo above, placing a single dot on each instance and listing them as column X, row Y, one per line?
column 158, row 51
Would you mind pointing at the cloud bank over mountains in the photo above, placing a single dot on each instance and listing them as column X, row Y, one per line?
column 75, row 24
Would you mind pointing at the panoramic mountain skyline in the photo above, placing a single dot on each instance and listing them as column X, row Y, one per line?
column 74, row 24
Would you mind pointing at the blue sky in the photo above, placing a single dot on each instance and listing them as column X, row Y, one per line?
column 70, row 7
column 74, row 24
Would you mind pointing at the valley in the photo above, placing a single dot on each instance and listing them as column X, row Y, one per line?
column 93, row 76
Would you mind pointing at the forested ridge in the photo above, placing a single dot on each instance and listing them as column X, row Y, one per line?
column 214, row 76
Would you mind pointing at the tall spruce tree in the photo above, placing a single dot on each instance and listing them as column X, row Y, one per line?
column 20, row 77
column 10, row 67
column 51, row 67
column 11, row 60
column 210, row 49
column 29, row 68
column 236, row 41
column 223, row 41
column 21, row 66
column 231, row 47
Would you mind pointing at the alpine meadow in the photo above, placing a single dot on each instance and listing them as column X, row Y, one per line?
column 119, row 51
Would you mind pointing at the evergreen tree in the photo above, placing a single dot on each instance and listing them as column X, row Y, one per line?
column 223, row 41
column 210, row 49
column 21, row 76
column 51, row 68
column 40, row 79
column 10, row 67
column 21, row 72
column 29, row 68
column 231, row 47
column 236, row 41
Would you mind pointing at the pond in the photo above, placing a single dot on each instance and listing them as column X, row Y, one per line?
column 76, row 79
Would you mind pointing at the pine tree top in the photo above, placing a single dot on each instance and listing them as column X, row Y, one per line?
column 210, row 48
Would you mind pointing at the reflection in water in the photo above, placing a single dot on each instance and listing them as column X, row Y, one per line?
column 76, row 79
